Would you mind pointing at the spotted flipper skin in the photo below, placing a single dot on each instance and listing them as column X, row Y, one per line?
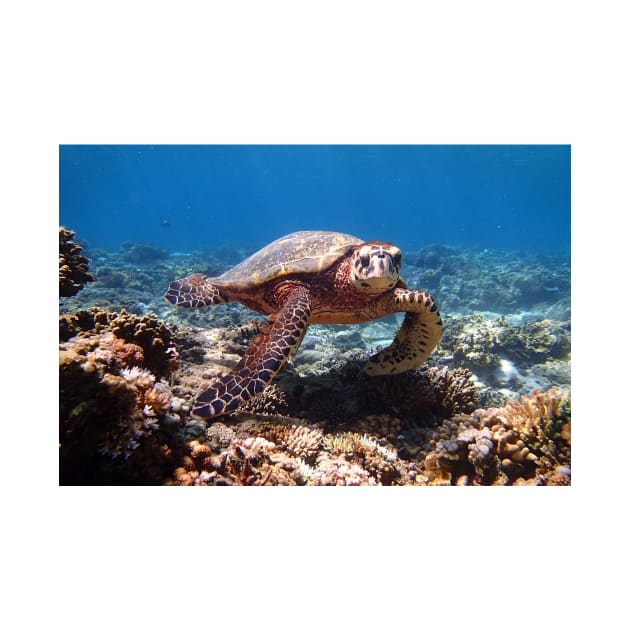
column 420, row 332
column 195, row 291
column 268, row 352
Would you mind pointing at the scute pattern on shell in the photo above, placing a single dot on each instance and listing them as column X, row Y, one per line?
column 307, row 252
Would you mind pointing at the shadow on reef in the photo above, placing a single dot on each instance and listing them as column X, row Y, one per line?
column 343, row 427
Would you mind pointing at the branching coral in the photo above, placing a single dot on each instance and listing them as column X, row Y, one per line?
column 481, row 344
column 454, row 390
column 543, row 424
column 383, row 425
column 110, row 406
column 303, row 442
column 337, row 471
column 273, row 451
column 270, row 401
column 523, row 442
column 379, row 461
column 73, row 267
column 441, row 391
column 156, row 338
column 220, row 434
column 299, row 439
column 124, row 437
column 244, row 462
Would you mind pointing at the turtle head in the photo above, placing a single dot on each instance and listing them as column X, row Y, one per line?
column 375, row 266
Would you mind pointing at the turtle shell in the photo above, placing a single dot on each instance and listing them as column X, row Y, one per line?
column 308, row 252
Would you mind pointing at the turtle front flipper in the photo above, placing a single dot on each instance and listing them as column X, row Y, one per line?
column 269, row 350
column 420, row 332
column 194, row 291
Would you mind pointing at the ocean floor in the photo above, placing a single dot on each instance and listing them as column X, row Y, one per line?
column 490, row 406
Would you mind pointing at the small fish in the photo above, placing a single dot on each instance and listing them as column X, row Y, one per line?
column 165, row 223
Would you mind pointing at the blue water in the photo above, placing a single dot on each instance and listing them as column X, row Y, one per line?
column 200, row 197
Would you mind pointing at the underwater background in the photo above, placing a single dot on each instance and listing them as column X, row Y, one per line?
column 508, row 197
column 485, row 229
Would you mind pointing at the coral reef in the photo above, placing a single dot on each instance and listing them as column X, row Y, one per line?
column 245, row 462
column 440, row 390
column 115, row 416
column 526, row 442
column 128, row 376
column 271, row 401
column 301, row 455
column 336, row 428
column 475, row 342
column 507, row 356
column 111, row 278
column 156, row 338
column 73, row 267
column 141, row 252
column 297, row 438
column 463, row 280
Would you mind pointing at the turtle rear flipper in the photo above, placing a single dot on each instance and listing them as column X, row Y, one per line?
column 267, row 353
column 420, row 332
column 194, row 291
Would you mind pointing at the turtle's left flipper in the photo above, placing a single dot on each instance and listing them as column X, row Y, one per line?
column 267, row 353
column 420, row 332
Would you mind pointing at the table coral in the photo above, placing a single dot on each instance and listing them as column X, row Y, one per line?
column 73, row 267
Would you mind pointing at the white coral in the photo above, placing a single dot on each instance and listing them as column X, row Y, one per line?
column 139, row 377
column 370, row 443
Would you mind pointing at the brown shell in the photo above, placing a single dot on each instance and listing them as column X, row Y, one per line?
column 309, row 252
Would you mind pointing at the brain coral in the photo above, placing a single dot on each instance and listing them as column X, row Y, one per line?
column 73, row 267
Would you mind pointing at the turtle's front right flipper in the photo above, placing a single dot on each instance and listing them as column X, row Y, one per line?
column 420, row 332
column 268, row 352
column 194, row 291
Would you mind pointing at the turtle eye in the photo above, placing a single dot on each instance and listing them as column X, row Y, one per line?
column 365, row 260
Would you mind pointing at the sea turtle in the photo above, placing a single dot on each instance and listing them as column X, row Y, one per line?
column 311, row 277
